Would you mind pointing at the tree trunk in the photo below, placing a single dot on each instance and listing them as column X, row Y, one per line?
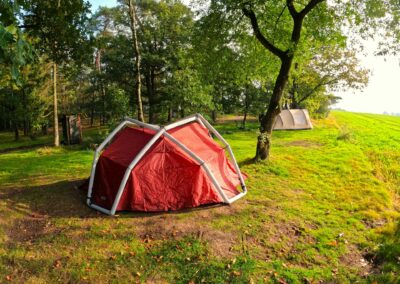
column 92, row 106
column 169, row 114
column 56, row 134
column 25, row 126
column 153, row 97
column 16, row 132
column 138, row 88
column 293, row 104
column 246, row 109
column 103, row 106
column 286, row 56
column 25, row 123
column 44, row 129
column 102, row 88
column 214, row 116
column 267, row 120
column 150, row 81
column 244, row 119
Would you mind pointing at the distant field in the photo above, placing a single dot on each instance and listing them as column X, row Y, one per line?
column 324, row 208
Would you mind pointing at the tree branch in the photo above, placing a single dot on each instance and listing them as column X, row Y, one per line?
column 309, row 7
column 313, row 90
column 279, row 17
column 261, row 38
column 298, row 17
column 292, row 9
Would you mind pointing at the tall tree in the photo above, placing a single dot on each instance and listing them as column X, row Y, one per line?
column 165, row 31
column 136, row 48
column 280, row 26
column 286, row 57
column 61, row 27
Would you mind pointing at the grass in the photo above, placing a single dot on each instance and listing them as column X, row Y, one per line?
column 8, row 141
column 323, row 208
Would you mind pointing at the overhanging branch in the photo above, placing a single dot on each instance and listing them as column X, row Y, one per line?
column 309, row 7
column 313, row 90
column 292, row 9
column 260, row 37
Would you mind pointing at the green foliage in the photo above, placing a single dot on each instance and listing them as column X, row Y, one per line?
column 330, row 68
column 15, row 52
column 116, row 104
column 61, row 27
column 26, row 103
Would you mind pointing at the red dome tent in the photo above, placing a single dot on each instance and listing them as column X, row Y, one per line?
column 146, row 167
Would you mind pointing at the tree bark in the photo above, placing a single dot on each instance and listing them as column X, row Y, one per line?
column 267, row 121
column 169, row 114
column 55, row 107
column 138, row 87
column 16, row 132
column 44, row 129
column 214, row 115
column 244, row 120
column 92, row 108
column 246, row 109
column 152, row 94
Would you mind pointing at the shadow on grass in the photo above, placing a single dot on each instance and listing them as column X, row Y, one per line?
column 59, row 199
column 68, row 199
column 246, row 162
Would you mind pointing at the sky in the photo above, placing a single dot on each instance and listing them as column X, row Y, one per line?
column 97, row 3
column 382, row 93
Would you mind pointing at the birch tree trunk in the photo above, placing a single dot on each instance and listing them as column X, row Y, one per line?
column 55, row 111
column 138, row 87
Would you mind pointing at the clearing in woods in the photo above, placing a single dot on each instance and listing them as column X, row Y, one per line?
column 325, row 207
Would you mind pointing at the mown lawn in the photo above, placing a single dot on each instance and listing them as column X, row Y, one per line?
column 324, row 208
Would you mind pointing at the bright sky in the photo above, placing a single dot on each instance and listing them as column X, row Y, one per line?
column 382, row 93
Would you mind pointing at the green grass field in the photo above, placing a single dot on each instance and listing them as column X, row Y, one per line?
column 323, row 208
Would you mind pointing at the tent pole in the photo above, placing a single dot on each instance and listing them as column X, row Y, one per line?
column 162, row 131
column 202, row 164
column 143, row 124
column 181, row 122
column 96, row 155
column 131, row 166
column 233, row 159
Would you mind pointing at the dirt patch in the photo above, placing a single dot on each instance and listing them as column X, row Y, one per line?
column 30, row 228
column 373, row 224
column 355, row 258
column 170, row 226
column 279, row 239
column 59, row 199
column 304, row 143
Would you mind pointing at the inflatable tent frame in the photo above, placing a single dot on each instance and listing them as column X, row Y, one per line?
column 162, row 131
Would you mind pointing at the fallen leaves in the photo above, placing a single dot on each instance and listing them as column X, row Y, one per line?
column 57, row 263
column 236, row 273
column 333, row 243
